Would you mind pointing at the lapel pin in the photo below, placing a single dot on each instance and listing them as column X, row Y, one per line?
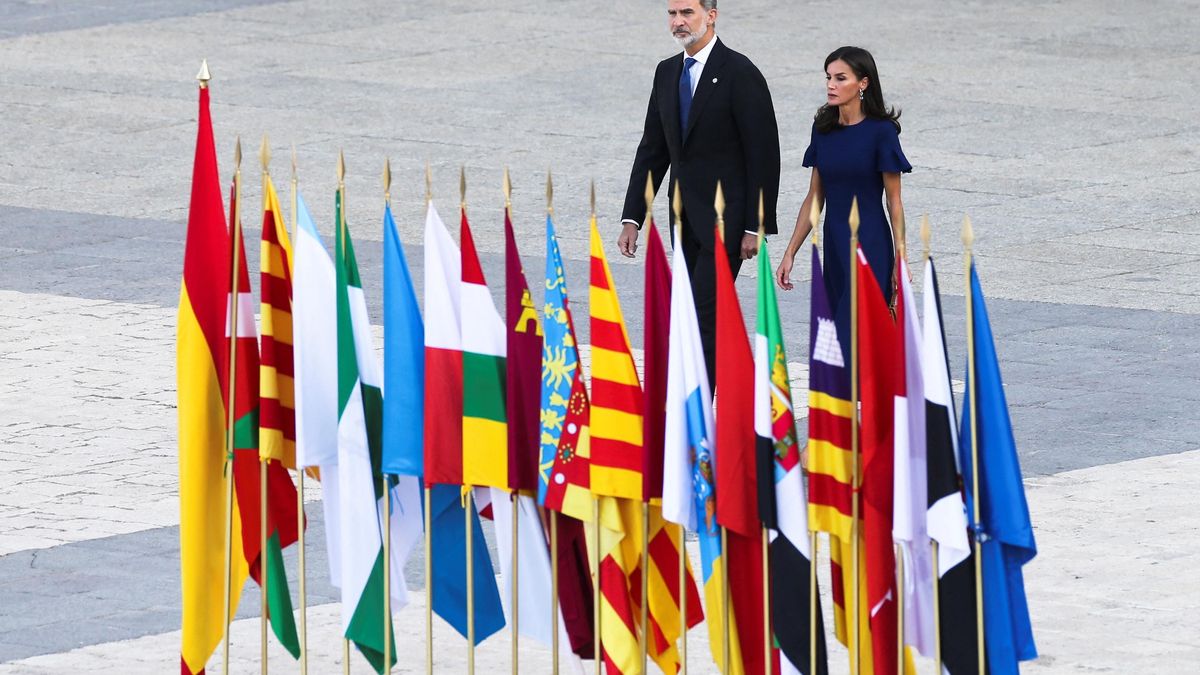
column 714, row 80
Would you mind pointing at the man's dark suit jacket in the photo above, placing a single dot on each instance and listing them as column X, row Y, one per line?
column 731, row 135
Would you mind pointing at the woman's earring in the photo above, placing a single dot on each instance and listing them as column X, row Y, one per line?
column 860, row 94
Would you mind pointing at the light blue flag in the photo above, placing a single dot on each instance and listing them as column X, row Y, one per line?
column 403, row 361
column 559, row 360
column 1006, row 532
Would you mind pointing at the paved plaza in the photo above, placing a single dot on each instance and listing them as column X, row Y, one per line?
column 1067, row 131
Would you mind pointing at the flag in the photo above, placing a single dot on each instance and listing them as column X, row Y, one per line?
column 782, row 498
column 403, row 360
column 689, row 494
column 830, row 461
column 617, row 399
column 201, row 357
column 1005, row 528
column 523, row 369
column 654, row 354
column 910, row 483
column 443, row 446
column 277, row 415
column 881, row 373
column 484, row 344
column 947, row 514
column 737, row 471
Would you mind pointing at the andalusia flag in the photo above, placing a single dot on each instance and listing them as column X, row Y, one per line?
column 360, row 420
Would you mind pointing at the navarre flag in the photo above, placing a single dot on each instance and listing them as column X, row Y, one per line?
column 946, row 516
column 1004, row 527
column 782, row 498
column 277, row 414
column 202, row 363
column 737, row 471
column 910, row 486
column 403, row 360
column 617, row 399
column 689, row 491
column 830, row 462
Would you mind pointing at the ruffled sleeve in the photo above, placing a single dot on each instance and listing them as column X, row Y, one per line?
column 810, row 155
column 890, row 158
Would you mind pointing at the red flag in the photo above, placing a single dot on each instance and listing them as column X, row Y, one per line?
column 737, row 471
column 881, row 372
column 524, row 370
column 656, row 337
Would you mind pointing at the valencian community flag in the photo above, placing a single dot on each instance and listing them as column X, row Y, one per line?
column 689, row 494
column 1005, row 529
column 947, row 514
column 830, row 420
column 444, row 445
column 782, row 498
column 201, row 357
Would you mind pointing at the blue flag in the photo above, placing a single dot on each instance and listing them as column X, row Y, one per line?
column 1007, row 534
column 450, row 569
column 559, row 360
column 403, row 361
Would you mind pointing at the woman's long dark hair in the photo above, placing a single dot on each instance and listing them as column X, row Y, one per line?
column 863, row 65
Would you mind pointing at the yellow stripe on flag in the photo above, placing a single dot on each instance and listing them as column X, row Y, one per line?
column 613, row 366
column 485, row 452
column 836, row 406
column 615, row 425
column 827, row 459
column 609, row 480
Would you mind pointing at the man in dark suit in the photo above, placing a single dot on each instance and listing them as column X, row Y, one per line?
column 710, row 118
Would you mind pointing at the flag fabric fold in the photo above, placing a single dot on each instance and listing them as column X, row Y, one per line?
column 1005, row 529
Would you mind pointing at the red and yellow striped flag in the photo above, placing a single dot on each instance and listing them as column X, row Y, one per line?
column 277, row 431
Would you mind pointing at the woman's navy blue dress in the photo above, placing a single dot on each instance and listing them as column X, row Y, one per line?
column 851, row 161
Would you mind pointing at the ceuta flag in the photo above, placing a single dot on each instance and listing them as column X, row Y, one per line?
column 737, row 470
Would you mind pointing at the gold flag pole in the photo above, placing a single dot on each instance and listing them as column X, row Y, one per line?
column 719, row 205
column 236, row 227
column 264, row 155
column 677, row 209
column 937, row 591
column 643, row 636
column 299, row 469
column 428, row 506
column 968, row 239
column 814, row 217
column 855, row 655
column 553, row 513
column 596, row 609
column 514, row 497
column 899, row 608
column 766, row 542
column 387, row 496
column 468, row 497
column 341, row 233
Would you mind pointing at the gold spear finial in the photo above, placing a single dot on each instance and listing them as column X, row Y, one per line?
column 677, row 204
column 462, row 186
column 507, row 191
column 428, row 184
column 237, row 154
column 549, row 192
column 649, row 197
column 814, row 220
column 854, row 221
column 387, row 179
column 926, row 235
column 592, row 197
column 203, row 76
column 341, row 170
column 719, row 205
column 968, row 234
column 264, row 153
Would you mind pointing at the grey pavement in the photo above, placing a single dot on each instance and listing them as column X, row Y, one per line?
column 1066, row 130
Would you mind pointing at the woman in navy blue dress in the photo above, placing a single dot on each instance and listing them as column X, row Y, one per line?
column 854, row 152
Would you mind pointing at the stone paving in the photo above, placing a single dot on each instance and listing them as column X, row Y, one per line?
column 1052, row 125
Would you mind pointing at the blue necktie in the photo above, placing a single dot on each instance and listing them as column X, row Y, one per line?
column 685, row 94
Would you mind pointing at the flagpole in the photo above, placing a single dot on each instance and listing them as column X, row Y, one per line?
column 231, row 388
column 387, row 496
column 428, row 506
column 677, row 207
column 899, row 609
column 855, row 638
column 515, row 505
column 596, row 632
column 719, row 206
column 814, row 217
column 553, row 513
column 264, row 154
column 299, row 469
column 643, row 636
column 937, row 591
column 468, row 497
column 341, row 233
column 766, row 553
column 968, row 238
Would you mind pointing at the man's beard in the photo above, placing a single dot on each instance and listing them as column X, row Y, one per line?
column 691, row 39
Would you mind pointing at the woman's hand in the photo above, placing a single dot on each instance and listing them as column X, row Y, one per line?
column 783, row 273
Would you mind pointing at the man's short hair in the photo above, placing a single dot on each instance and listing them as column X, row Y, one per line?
column 708, row 4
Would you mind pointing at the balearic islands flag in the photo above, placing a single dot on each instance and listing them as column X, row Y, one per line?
column 783, row 502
